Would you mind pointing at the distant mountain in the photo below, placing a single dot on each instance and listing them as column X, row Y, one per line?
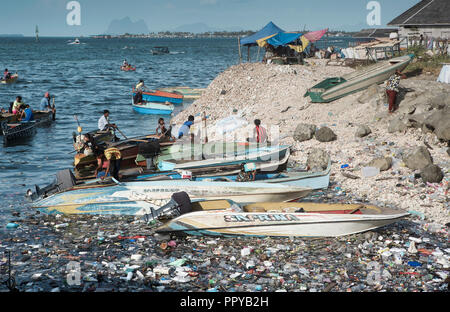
column 198, row 28
column 126, row 25
column 11, row 35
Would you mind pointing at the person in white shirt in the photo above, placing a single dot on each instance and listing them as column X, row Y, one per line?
column 103, row 122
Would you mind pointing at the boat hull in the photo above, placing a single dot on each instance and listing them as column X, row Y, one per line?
column 137, row 198
column 335, row 88
column 161, row 97
column 322, row 221
column 13, row 79
column 19, row 131
column 153, row 109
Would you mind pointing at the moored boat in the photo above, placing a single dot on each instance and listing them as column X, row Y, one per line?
column 225, row 218
column 17, row 131
column 161, row 97
column 182, row 160
column 187, row 92
column 160, row 50
column 128, row 68
column 151, row 108
column 13, row 79
column 138, row 198
column 337, row 87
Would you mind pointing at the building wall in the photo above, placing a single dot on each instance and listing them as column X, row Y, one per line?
column 431, row 31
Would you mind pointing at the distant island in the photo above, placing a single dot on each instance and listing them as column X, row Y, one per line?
column 208, row 34
column 11, row 35
column 126, row 25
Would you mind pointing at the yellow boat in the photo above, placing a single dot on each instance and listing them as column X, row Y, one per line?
column 13, row 79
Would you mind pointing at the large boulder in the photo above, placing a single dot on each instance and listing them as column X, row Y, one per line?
column 418, row 158
column 318, row 159
column 396, row 125
column 304, row 132
column 440, row 101
column 442, row 129
column 325, row 134
column 362, row 131
column 382, row 163
column 432, row 174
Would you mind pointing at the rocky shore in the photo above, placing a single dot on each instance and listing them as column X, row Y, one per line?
column 410, row 147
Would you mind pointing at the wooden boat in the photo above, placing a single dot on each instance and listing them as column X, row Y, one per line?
column 151, row 108
column 17, row 131
column 337, row 87
column 222, row 218
column 128, row 68
column 138, row 198
column 185, row 161
column 8, row 118
column 159, row 50
column 187, row 92
column 161, row 97
column 13, row 79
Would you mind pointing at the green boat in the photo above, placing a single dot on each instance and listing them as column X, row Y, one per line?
column 335, row 88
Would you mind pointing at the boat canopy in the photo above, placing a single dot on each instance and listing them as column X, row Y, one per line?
column 268, row 30
column 316, row 35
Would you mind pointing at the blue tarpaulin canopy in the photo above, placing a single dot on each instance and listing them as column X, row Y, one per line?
column 268, row 30
column 283, row 38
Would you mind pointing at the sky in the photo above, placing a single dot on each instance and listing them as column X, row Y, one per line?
column 21, row 16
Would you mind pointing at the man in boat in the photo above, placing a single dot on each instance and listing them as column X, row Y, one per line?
column 125, row 64
column 259, row 133
column 45, row 103
column 246, row 176
column 110, row 161
column 27, row 114
column 137, row 99
column 162, row 132
column 6, row 74
column 140, row 85
column 103, row 122
column 392, row 89
column 17, row 105
column 184, row 129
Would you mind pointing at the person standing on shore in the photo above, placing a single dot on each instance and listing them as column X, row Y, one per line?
column 259, row 134
column 392, row 89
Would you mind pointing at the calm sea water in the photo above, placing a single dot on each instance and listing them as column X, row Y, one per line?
column 86, row 79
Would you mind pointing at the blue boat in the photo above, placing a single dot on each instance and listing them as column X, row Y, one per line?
column 161, row 97
column 150, row 108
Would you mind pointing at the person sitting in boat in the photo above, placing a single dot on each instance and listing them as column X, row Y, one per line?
column 27, row 114
column 137, row 99
column 162, row 132
column 246, row 176
column 109, row 162
column 45, row 103
column 17, row 105
column 125, row 64
column 103, row 122
column 140, row 85
column 6, row 74
column 259, row 133
column 184, row 129
column 392, row 89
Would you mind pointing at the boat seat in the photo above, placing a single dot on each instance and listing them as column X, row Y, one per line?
column 211, row 205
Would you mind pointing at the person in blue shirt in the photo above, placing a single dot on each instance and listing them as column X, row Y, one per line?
column 27, row 114
column 45, row 102
column 184, row 129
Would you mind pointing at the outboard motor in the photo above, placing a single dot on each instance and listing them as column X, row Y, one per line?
column 148, row 151
column 180, row 203
column 64, row 181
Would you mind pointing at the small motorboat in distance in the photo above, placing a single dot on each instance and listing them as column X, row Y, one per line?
column 128, row 68
column 13, row 79
column 160, row 50
column 76, row 41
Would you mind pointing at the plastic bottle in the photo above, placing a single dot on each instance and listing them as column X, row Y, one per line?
column 368, row 172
